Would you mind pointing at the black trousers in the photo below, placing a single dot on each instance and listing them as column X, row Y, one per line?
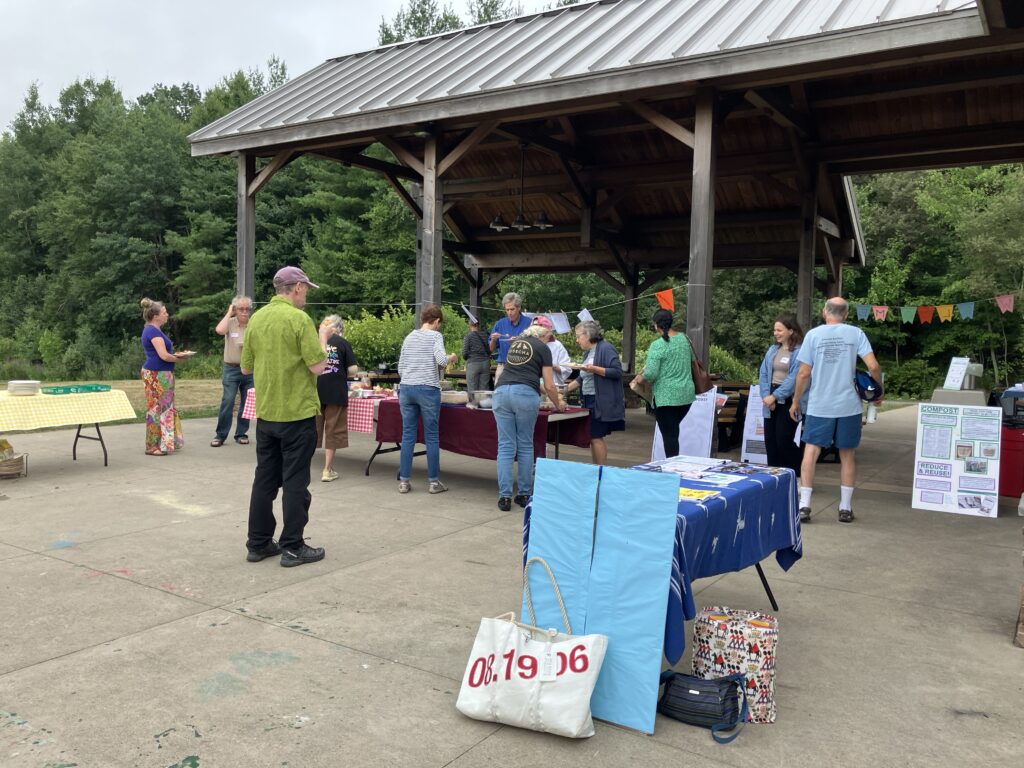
column 668, row 418
column 283, row 452
column 779, row 431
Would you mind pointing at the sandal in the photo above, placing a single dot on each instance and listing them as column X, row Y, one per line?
column 216, row 442
column 156, row 453
column 243, row 440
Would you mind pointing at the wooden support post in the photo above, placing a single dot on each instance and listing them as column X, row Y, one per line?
column 702, row 222
column 808, row 239
column 245, row 279
column 629, row 321
column 430, row 258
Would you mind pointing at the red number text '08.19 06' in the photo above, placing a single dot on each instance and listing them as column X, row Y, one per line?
column 482, row 671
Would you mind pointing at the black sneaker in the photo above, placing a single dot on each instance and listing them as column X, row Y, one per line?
column 522, row 500
column 301, row 556
column 805, row 514
column 255, row 555
column 505, row 504
column 845, row 515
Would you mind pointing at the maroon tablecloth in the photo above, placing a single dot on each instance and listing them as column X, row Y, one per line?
column 473, row 432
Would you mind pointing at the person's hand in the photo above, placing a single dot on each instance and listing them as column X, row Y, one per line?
column 452, row 358
column 637, row 381
column 794, row 411
column 561, row 406
column 495, row 336
column 769, row 402
column 231, row 310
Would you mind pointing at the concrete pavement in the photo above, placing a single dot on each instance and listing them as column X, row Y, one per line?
column 136, row 634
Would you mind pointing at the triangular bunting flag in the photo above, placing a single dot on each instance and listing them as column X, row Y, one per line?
column 1005, row 303
column 966, row 310
column 945, row 312
column 881, row 312
column 926, row 314
column 907, row 314
column 862, row 311
column 666, row 299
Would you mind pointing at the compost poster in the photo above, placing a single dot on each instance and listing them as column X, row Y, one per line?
column 956, row 462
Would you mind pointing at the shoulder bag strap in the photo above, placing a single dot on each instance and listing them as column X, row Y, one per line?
column 716, row 730
column 558, row 594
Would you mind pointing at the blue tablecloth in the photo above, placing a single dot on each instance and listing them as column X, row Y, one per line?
column 740, row 526
column 735, row 529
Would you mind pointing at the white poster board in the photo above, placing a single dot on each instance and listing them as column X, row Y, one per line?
column 753, row 449
column 956, row 460
column 694, row 430
column 955, row 374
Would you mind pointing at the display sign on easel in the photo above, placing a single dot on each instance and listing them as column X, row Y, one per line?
column 753, row 449
column 695, row 431
column 956, row 461
column 956, row 373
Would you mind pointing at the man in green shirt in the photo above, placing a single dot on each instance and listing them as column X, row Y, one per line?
column 282, row 350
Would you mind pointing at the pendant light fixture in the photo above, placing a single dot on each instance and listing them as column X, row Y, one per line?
column 520, row 222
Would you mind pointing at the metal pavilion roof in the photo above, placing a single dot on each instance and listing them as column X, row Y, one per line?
column 446, row 75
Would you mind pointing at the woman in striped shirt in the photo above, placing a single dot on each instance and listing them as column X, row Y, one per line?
column 419, row 396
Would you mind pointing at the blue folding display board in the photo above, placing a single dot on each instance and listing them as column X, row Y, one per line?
column 613, row 571
column 564, row 532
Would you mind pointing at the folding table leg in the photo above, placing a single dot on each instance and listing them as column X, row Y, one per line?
column 98, row 439
column 767, row 589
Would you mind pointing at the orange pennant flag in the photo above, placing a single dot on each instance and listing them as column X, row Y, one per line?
column 945, row 312
column 926, row 314
column 666, row 299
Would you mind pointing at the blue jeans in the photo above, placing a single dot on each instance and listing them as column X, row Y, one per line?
column 420, row 401
column 234, row 382
column 515, row 413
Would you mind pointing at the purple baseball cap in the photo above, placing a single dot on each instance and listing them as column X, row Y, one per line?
column 291, row 276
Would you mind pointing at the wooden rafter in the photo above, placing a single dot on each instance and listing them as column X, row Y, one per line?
column 403, row 154
column 546, row 144
column 279, row 161
column 403, row 195
column 475, row 136
column 662, row 122
column 778, row 112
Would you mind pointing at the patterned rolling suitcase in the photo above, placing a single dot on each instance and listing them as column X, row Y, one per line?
column 727, row 642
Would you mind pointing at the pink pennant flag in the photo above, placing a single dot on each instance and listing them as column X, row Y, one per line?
column 945, row 312
column 926, row 314
column 881, row 312
column 1005, row 303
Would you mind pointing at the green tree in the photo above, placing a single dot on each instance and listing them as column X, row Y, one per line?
column 419, row 18
column 487, row 11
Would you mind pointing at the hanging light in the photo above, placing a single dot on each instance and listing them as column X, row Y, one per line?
column 520, row 223
column 541, row 222
column 499, row 225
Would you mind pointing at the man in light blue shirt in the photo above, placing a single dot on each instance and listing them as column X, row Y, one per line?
column 507, row 328
column 828, row 360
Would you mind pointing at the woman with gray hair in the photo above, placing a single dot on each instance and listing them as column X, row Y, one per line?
column 332, row 387
column 600, row 384
column 236, row 384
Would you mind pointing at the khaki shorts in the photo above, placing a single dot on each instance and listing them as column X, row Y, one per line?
column 332, row 427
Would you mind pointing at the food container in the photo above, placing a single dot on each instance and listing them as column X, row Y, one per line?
column 23, row 387
column 481, row 398
column 454, row 397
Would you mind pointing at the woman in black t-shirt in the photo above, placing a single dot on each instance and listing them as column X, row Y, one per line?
column 516, row 402
column 332, row 387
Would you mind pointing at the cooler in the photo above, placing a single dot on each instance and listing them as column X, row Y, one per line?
column 1011, row 462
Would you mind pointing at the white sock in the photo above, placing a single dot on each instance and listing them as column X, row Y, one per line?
column 805, row 497
column 845, row 497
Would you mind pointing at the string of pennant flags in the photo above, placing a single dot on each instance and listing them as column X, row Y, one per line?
column 926, row 313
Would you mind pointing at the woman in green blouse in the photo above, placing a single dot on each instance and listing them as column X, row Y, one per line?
column 668, row 372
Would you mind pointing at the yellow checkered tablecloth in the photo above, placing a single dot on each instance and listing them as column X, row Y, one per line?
column 23, row 412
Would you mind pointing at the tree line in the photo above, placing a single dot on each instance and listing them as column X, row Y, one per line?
column 102, row 205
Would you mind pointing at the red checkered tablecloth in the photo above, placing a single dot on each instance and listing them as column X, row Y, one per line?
column 362, row 412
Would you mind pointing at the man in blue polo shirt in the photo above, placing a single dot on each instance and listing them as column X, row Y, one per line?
column 506, row 329
column 828, row 360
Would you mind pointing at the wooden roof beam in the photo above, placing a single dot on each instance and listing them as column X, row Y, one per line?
column 992, row 16
column 553, row 147
column 369, row 163
column 404, row 195
column 279, row 161
column 779, row 113
column 403, row 154
column 475, row 136
column 662, row 122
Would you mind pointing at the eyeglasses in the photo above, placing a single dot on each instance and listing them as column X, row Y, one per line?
column 243, row 309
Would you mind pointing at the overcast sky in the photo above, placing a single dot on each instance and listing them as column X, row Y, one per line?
column 138, row 43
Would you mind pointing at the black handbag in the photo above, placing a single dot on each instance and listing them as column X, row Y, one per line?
column 710, row 704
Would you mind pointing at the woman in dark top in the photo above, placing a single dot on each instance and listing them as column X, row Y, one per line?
column 163, row 425
column 600, row 384
column 332, row 387
column 516, row 402
column 476, row 351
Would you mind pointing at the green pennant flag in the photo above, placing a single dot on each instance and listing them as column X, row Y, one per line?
column 907, row 314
